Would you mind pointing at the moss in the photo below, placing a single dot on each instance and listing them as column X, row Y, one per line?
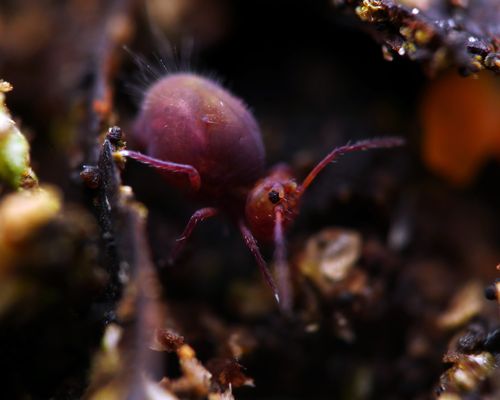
column 15, row 168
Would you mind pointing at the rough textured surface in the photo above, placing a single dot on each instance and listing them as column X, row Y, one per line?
column 437, row 33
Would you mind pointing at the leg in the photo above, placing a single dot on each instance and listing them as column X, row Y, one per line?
column 189, row 170
column 282, row 268
column 199, row 216
column 254, row 248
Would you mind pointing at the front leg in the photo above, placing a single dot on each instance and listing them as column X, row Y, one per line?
column 166, row 166
column 251, row 243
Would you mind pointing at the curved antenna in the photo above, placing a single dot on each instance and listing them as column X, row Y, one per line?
column 281, row 265
column 378, row 143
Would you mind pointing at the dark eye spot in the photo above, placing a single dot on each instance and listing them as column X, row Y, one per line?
column 274, row 196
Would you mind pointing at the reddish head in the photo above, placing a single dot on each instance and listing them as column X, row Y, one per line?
column 189, row 119
column 276, row 193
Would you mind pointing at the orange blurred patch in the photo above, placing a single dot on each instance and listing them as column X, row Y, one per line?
column 461, row 121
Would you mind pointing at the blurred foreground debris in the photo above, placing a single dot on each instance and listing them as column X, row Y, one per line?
column 43, row 244
column 48, row 279
column 474, row 355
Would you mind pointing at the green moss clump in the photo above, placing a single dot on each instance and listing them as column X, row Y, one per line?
column 15, row 168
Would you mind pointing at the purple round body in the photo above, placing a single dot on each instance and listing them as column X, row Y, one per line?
column 188, row 119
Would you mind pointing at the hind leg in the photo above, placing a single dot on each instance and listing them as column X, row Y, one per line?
column 199, row 216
